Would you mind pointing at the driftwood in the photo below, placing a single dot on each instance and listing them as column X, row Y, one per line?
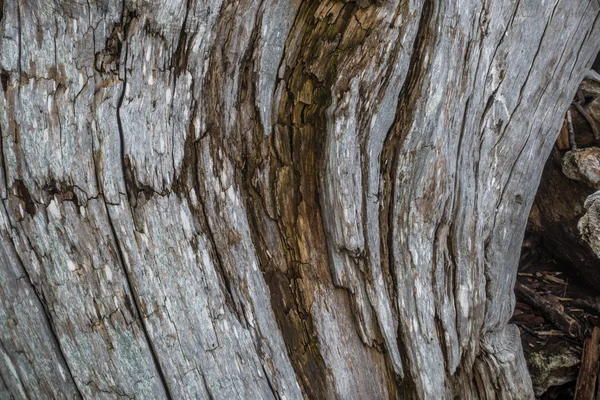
column 550, row 309
column 274, row 198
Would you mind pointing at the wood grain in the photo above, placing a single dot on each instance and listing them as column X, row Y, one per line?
column 274, row 198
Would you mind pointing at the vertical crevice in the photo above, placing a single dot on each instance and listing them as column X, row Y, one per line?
column 393, row 141
column 182, row 52
column 19, row 38
column 124, row 169
column 126, row 19
column 407, row 102
column 43, row 305
column 230, row 298
column 287, row 283
column 271, row 387
column 18, row 372
column 3, row 166
column 133, row 292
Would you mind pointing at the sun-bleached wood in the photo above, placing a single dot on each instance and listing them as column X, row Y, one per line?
column 274, row 198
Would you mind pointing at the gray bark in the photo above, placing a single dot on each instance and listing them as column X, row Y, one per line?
column 274, row 198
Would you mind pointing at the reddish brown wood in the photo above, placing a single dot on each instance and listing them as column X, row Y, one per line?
column 586, row 382
column 563, row 138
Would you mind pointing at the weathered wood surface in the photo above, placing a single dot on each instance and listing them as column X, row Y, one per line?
column 274, row 198
column 588, row 373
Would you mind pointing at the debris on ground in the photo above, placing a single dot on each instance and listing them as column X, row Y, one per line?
column 558, row 283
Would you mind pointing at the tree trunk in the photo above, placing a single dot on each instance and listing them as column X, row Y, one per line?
column 274, row 198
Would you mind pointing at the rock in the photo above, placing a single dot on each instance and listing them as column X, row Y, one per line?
column 583, row 165
column 551, row 365
column 589, row 224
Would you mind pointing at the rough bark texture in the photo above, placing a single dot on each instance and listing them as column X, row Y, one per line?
column 274, row 198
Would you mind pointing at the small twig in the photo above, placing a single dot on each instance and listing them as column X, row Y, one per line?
column 528, row 330
column 565, row 298
column 550, row 278
column 552, row 333
column 571, row 131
